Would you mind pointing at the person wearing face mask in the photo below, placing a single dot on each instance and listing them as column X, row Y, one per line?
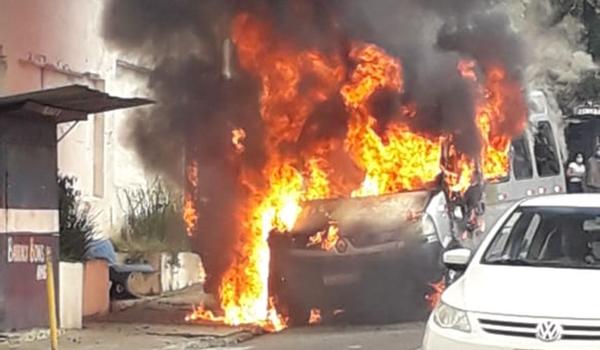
column 576, row 174
column 593, row 172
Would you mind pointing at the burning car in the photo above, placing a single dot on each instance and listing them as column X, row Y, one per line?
column 347, row 178
column 357, row 254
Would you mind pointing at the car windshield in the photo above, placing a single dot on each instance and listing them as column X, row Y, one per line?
column 548, row 236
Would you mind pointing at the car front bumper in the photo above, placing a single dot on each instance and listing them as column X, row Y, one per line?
column 409, row 258
column 316, row 278
column 437, row 338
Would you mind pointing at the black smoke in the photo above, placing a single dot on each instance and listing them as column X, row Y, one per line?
column 198, row 104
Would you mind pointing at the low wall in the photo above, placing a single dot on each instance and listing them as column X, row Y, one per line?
column 146, row 284
column 172, row 273
column 96, row 287
column 70, row 295
column 182, row 272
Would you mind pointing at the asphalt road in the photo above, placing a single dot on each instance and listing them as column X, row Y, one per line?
column 398, row 337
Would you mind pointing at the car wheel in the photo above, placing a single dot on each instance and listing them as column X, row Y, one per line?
column 118, row 291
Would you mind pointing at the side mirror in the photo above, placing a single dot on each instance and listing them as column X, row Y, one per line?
column 457, row 259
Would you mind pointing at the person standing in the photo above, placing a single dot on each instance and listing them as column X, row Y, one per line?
column 593, row 172
column 576, row 174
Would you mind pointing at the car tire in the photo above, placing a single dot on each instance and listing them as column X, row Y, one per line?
column 119, row 291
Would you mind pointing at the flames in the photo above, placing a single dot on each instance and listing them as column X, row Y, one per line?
column 500, row 113
column 200, row 313
column 190, row 216
column 315, row 317
column 400, row 159
column 238, row 135
column 244, row 291
column 435, row 297
column 390, row 158
column 325, row 239
column 501, row 99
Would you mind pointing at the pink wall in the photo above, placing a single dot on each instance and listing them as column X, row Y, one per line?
column 96, row 286
column 66, row 31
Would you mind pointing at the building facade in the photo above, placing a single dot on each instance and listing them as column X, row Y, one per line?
column 48, row 44
column 583, row 130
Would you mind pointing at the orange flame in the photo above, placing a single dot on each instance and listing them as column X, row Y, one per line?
column 436, row 296
column 201, row 313
column 190, row 215
column 315, row 317
column 502, row 114
column 243, row 293
column 326, row 239
column 274, row 196
column 466, row 68
column 237, row 138
column 272, row 323
column 459, row 170
column 317, row 179
column 496, row 121
column 401, row 159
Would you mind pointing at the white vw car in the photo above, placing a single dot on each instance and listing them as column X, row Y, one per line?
column 533, row 284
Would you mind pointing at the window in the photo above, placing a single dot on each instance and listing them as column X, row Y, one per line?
column 496, row 249
column 98, row 141
column 546, row 155
column 521, row 159
column 98, row 149
column 30, row 176
column 550, row 237
column 534, row 224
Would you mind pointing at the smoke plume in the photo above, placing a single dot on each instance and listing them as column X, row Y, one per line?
column 556, row 53
column 201, row 98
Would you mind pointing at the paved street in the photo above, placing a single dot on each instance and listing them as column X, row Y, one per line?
column 397, row 337
column 158, row 324
column 180, row 337
column 340, row 335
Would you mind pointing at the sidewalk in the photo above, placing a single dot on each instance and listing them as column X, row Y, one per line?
column 152, row 324
column 119, row 336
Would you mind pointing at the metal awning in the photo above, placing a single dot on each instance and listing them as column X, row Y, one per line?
column 67, row 103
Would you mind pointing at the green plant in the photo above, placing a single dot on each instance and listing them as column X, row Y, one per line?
column 77, row 227
column 153, row 221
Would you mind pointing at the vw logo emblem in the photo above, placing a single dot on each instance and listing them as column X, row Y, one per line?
column 548, row 331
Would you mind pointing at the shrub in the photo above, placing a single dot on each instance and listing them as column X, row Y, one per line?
column 153, row 221
column 77, row 227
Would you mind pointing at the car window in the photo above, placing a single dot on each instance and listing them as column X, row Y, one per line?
column 546, row 154
column 521, row 159
column 553, row 236
column 497, row 247
column 532, row 229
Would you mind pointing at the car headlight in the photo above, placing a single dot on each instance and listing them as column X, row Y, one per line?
column 448, row 317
